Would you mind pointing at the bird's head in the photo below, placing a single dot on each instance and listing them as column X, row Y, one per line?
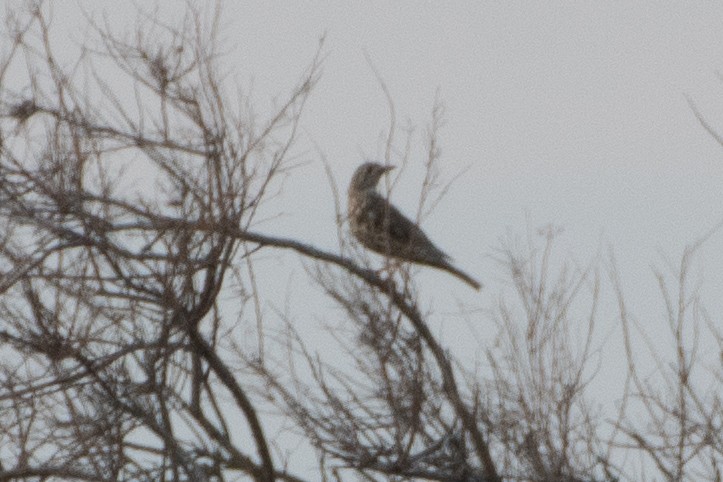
column 367, row 175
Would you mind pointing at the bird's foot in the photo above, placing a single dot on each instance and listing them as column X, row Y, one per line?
column 387, row 276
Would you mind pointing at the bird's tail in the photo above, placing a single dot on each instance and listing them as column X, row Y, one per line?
column 463, row 276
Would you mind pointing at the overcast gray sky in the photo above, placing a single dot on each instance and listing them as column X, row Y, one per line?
column 567, row 112
column 570, row 113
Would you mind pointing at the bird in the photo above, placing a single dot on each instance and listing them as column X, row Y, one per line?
column 381, row 227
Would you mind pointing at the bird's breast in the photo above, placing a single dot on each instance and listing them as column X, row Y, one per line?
column 363, row 218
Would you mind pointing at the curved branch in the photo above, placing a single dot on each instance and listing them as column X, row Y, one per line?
column 412, row 313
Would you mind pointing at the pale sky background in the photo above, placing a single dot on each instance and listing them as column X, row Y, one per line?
column 570, row 113
column 565, row 113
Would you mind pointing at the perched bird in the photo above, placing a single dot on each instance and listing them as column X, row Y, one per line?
column 380, row 226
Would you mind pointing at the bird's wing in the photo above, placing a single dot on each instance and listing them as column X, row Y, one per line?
column 402, row 230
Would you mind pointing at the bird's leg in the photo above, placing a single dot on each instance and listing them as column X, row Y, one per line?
column 386, row 273
column 392, row 266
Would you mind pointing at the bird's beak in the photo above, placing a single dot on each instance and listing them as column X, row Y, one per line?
column 388, row 168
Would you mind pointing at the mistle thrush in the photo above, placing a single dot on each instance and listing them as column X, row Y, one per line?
column 380, row 226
